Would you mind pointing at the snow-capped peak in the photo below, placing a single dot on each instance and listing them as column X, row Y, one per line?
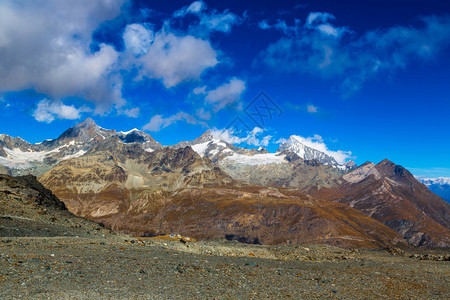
column 434, row 181
column 298, row 145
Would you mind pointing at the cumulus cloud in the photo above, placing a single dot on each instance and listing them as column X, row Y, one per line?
column 208, row 21
column 47, row 110
column 252, row 138
column 45, row 46
column 316, row 142
column 228, row 94
column 137, row 39
column 159, row 122
column 319, row 48
column 172, row 58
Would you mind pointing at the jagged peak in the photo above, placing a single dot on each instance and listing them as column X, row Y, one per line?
column 386, row 162
column 367, row 163
column 4, row 136
column 87, row 123
column 206, row 136
column 303, row 149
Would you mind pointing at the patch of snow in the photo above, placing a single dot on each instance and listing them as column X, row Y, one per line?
column 214, row 152
column 18, row 155
column 221, row 144
column 47, row 140
column 128, row 132
column 201, row 148
column 14, row 164
column 78, row 154
column 257, row 159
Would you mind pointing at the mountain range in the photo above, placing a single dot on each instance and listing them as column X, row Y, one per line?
column 440, row 186
column 207, row 188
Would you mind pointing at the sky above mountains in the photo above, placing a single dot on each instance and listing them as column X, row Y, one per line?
column 366, row 80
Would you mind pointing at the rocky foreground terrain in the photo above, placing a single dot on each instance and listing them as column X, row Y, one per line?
column 48, row 253
column 120, row 267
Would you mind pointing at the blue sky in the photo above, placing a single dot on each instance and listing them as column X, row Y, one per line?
column 368, row 80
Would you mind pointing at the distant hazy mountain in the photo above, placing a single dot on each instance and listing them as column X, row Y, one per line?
column 440, row 186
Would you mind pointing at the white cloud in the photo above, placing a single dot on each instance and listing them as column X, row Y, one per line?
column 329, row 30
column 199, row 90
column 195, row 8
column 208, row 21
column 131, row 112
column 318, row 17
column 46, row 111
column 219, row 22
column 252, row 138
column 319, row 48
column 281, row 26
column 158, row 122
column 264, row 25
column 45, row 45
column 311, row 108
column 175, row 59
column 203, row 114
column 228, row 94
column 137, row 39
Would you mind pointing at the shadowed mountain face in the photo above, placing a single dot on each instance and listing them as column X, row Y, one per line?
column 29, row 209
column 391, row 195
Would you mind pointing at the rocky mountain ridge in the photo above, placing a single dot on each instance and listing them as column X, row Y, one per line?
column 19, row 157
column 29, row 209
column 207, row 188
column 390, row 194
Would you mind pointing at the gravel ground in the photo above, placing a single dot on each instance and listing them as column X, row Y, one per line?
column 121, row 267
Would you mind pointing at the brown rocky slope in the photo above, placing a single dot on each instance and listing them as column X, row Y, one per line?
column 175, row 190
column 391, row 194
column 29, row 209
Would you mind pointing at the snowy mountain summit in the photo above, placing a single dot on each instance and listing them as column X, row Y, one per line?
column 297, row 145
